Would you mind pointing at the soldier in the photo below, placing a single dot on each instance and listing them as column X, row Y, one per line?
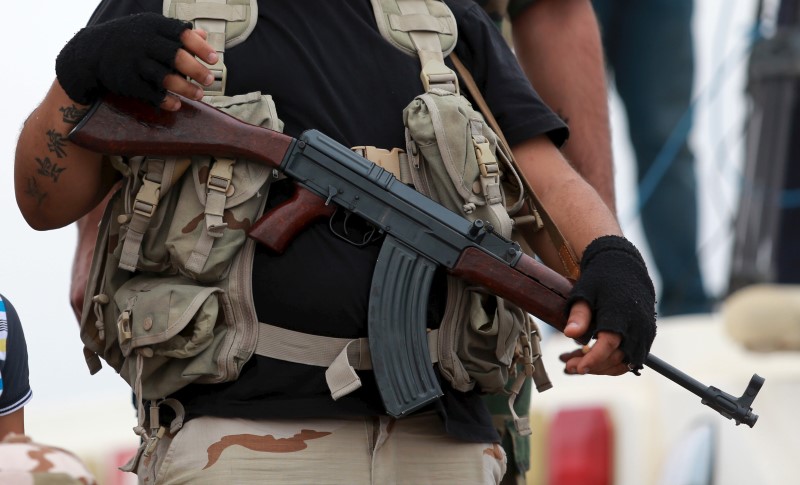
column 327, row 67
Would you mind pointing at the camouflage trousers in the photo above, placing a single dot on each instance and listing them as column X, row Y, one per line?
column 25, row 462
column 374, row 450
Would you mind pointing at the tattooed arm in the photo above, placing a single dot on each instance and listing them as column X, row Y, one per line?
column 57, row 182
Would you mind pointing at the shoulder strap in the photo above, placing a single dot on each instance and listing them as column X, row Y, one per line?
column 427, row 29
column 227, row 22
column 423, row 28
column 565, row 251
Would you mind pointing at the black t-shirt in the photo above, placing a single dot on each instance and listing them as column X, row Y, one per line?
column 328, row 68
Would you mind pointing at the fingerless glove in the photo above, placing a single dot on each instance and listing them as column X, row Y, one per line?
column 129, row 56
column 615, row 283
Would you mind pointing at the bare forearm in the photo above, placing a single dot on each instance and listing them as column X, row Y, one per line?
column 574, row 206
column 12, row 423
column 558, row 45
column 56, row 182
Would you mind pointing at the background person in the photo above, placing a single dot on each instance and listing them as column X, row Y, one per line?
column 15, row 389
column 649, row 49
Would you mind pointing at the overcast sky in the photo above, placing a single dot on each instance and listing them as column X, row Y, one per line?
column 35, row 267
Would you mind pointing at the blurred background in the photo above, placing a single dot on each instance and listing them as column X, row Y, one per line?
column 656, row 432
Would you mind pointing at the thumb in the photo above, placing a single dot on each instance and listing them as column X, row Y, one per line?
column 579, row 319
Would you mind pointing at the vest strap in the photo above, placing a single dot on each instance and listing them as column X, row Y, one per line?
column 341, row 356
column 144, row 206
column 227, row 23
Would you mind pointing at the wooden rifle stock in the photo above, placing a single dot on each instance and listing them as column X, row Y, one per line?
column 125, row 126
column 531, row 285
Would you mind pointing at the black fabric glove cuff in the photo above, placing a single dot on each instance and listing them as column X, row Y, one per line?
column 615, row 283
column 129, row 56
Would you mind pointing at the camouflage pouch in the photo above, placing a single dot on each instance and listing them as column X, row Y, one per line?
column 456, row 159
column 168, row 333
column 174, row 236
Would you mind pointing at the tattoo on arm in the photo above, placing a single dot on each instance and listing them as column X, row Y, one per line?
column 72, row 114
column 49, row 169
column 34, row 191
column 56, row 143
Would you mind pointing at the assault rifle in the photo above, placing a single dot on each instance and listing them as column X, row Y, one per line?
column 420, row 235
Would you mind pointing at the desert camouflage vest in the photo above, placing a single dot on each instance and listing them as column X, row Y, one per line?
column 169, row 300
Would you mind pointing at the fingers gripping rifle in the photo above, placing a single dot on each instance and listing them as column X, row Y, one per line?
column 420, row 235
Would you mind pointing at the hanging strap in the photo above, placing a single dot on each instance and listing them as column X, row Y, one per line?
column 218, row 189
column 565, row 251
column 144, row 206
column 159, row 177
column 341, row 356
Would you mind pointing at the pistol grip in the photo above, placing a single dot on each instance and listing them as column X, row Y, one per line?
column 279, row 226
column 398, row 338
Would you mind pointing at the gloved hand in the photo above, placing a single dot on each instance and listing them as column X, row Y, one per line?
column 615, row 283
column 129, row 56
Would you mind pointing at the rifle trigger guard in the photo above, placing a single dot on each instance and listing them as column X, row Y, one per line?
column 359, row 238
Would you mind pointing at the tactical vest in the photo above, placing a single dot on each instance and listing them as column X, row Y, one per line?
column 169, row 298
